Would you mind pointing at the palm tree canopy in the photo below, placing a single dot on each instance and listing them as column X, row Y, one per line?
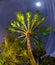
column 32, row 25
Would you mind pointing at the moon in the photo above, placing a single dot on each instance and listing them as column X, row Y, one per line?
column 38, row 4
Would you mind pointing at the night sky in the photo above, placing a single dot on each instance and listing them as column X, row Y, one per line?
column 46, row 7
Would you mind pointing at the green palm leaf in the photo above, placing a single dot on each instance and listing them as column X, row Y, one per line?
column 45, row 33
column 38, row 40
column 35, row 18
column 28, row 16
column 17, row 24
column 14, row 24
column 39, row 22
column 13, row 30
column 20, row 18
column 44, row 29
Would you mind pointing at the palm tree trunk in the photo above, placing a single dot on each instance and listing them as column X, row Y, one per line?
column 32, row 60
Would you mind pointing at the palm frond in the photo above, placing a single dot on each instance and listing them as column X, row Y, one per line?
column 24, row 41
column 13, row 30
column 28, row 16
column 14, row 24
column 35, row 18
column 44, row 30
column 39, row 22
column 21, row 36
column 45, row 33
column 38, row 40
column 20, row 18
column 35, row 45
column 17, row 24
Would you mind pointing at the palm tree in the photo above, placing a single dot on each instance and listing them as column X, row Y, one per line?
column 28, row 27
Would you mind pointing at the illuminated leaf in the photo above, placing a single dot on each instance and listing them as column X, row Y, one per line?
column 12, row 29
column 20, row 17
column 36, row 16
column 35, row 19
column 13, row 24
column 39, row 22
column 28, row 15
column 18, row 24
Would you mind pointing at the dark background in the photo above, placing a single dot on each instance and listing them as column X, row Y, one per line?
column 47, row 8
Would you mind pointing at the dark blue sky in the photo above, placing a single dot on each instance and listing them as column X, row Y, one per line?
column 47, row 8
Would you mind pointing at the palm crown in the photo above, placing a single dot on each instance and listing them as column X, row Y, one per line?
column 28, row 27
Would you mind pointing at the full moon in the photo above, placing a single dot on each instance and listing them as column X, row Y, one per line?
column 38, row 4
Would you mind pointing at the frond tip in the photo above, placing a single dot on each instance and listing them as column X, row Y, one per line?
column 13, row 23
column 28, row 15
column 45, row 29
column 36, row 16
column 39, row 22
column 12, row 29
column 20, row 16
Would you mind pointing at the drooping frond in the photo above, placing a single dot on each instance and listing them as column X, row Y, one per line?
column 45, row 33
column 23, row 39
column 35, row 18
column 20, row 18
column 44, row 30
column 21, row 36
column 39, row 22
column 38, row 40
column 40, row 52
column 28, row 16
column 13, row 30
